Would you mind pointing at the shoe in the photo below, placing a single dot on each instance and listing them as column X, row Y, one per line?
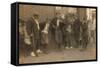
column 39, row 51
column 33, row 54
column 71, row 47
column 66, row 47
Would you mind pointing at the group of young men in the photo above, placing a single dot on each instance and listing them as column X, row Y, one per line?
column 69, row 31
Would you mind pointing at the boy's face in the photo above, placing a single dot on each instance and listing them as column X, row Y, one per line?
column 58, row 15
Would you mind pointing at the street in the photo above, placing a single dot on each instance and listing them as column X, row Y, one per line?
column 64, row 55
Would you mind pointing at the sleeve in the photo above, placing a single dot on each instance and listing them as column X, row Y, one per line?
column 29, row 27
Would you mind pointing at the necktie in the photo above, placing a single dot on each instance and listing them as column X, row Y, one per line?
column 37, row 24
column 58, row 22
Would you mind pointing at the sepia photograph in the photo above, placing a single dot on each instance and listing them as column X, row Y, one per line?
column 56, row 33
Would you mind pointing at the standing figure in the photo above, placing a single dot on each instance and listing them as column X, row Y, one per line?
column 84, row 34
column 21, row 38
column 22, row 45
column 45, row 35
column 77, row 32
column 69, row 31
column 33, row 30
column 63, row 29
column 56, row 24
column 92, row 29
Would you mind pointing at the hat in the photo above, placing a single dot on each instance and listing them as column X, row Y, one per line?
column 35, row 14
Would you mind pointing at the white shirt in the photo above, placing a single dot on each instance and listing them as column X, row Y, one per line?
column 46, row 28
column 58, row 22
column 69, row 28
column 37, row 23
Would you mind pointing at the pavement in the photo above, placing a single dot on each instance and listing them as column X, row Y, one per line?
column 72, row 54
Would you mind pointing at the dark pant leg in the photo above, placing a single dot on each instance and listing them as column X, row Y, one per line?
column 77, row 41
column 68, row 39
column 39, row 44
column 34, row 48
column 45, row 48
column 59, row 41
column 65, row 38
column 85, row 42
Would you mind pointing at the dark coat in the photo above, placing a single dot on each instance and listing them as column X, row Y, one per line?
column 85, row 31
column 57, row 31
column 65, row 26
column 42, row 25
column 21, row 41
column 77, row 28
column 68, row 33
column 32, row 28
